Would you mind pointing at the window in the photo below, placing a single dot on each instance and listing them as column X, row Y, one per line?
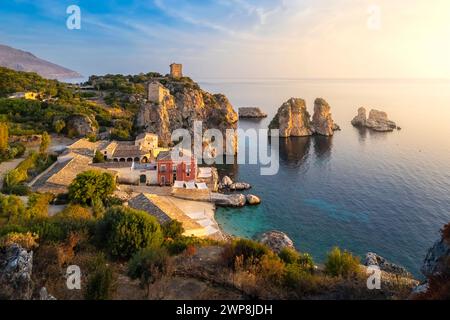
column 162, row 168
column 188, row 170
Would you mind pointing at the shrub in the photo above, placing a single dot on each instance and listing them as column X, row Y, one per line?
column 74, row 212
column 125, row 231
column 26, row 240
column 98, row 157
column 272, row 268
column 100, row 282
column 341, row 263
column 173, row 229
column 179, row 245
column 149, row 265
column 289, row 255
column 90, row 186
column 248, row 250
column 38, row 204
column 12, row 209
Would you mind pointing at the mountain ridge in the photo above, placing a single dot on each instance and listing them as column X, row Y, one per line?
column 20, row 60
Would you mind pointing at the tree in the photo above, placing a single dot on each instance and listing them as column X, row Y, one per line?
column 3, row 137
column 341, row 263
column 98, row 157
column 45, row 142
column 125, row 231
column 59, row 125
column 91, row 186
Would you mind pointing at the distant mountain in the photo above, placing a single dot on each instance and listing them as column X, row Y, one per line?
column 24, row 61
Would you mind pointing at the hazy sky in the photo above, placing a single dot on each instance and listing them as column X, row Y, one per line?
column 238, row 38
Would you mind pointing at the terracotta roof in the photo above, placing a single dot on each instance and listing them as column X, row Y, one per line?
column 129, row 151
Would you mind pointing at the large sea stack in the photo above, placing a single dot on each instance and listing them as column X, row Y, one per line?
column 293, row 119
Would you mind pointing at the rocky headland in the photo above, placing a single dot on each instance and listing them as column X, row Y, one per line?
column 293, row 119
column 182, row 104
column 377, row 121
column 251, row 113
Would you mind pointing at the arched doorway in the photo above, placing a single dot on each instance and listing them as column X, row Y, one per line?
column 143, row 179
column 122, row 160
column 130, row 160
column 137, row 159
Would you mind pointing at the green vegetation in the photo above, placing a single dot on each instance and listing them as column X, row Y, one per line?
column 34, row 164
column 90, row 187
column 125, row 231
column 149, row 265
column 98, row 157
column 100, row 281
column 341, row 263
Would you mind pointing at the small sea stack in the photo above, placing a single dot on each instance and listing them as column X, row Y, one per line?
column 251, row 113
column 377, row 121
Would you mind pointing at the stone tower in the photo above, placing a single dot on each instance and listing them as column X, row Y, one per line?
column 176, row 70
column 156, row 92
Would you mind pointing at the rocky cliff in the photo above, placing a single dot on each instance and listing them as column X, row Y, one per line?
column 293, row 119
column 251, row 112
column 181, row 106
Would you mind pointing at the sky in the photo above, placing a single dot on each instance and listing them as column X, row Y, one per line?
column 238, row 38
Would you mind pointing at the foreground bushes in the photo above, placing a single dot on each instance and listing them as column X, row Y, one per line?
column 125, row 231
column 149, row 265
column 341, row 263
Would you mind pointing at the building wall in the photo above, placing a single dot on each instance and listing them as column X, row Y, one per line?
column 129, row 176
column 157, row 92
column 176, row 70
column 167, row 176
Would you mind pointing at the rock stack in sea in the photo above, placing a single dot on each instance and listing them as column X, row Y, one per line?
column 251, row 112
column 293, row 119
column 377, row 120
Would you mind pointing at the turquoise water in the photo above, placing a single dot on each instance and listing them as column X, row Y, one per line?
column 363, row 191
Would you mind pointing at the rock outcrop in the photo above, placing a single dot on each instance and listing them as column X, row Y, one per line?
column 16, row 266
column 322, row 122
column 250, row 112
column 226, row 181
column 276, row 240
column 239, row 186
column 437, row 258
column 228, row 200
column 253, row 200
column 372, row 259
column 80, row 125
column 293, row 119
column 377, row 121
column 181, row 105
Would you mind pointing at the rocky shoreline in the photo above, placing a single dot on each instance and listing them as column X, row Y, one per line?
column 251, row 113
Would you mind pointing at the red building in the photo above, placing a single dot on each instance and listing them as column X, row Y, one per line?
column 170, row 170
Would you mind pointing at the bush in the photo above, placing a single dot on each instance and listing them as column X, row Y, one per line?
column 90, row 186
column 26, row 240
column 38, row 204
column 173, row 229
column 289, row 255
column 149, row 265
column 341, row 263
column 272, row 269
column 74, row 212
column 248, row 250
column 98, row 157
column 12, row 209
column 125, row 231
column 100, row 282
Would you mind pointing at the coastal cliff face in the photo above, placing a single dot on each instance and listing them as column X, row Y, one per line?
column 183, row 105
column 293, row 120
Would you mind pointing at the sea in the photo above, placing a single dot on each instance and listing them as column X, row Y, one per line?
column 360, row 190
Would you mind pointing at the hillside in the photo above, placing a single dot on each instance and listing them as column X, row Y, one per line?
column 25, row 61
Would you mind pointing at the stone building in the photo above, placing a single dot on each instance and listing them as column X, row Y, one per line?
column 176, row 70
column 156, row 92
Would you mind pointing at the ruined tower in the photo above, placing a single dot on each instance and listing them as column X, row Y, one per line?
column 176, row 70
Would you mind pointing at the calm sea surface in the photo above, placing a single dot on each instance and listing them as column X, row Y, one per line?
column 363, row 191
